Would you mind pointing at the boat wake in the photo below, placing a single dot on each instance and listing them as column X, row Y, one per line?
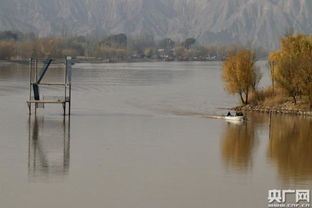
column 180, row 112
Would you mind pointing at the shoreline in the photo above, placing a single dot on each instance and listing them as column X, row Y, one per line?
column 111, row 61
column 274, row 110
column 104, row 61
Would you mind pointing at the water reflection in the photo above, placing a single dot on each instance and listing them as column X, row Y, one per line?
column 237, row 145
column 49, row 148
column 289, row 144
column 290, row 147
column 239, row 141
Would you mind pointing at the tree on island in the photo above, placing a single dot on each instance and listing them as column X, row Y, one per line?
column 240, row 73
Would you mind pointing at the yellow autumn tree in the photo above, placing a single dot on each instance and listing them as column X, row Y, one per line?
column 292, row 66
column 305, row 70
column 240, row 73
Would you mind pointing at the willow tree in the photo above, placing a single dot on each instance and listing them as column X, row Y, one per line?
column 293, row 66
column 240, row 73
column 305, row 70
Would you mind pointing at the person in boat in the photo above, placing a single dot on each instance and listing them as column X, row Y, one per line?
column 229, row 114
column 239, row 114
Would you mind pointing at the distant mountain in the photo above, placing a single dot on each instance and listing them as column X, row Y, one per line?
column 255, row 22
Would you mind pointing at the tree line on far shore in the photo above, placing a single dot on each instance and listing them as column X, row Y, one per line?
column 290, row 68
column 18, row 46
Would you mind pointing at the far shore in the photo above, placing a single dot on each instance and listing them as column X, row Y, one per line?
column 96, row 61
column 104, row 61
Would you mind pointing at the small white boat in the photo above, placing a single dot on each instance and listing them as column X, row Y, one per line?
column 235, row 118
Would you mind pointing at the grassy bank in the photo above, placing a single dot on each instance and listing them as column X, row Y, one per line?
column 276, row 101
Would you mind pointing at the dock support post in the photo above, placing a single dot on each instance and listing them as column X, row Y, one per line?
column 64, row 109
column 29, row 108
column 69, row 108
column 68, row 71
column 30, row 83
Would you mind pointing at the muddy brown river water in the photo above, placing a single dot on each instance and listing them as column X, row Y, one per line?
column 137, row 138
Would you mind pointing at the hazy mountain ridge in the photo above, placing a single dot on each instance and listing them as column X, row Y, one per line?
column 211, row 21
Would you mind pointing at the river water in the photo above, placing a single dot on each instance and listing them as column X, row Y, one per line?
column 138, row 138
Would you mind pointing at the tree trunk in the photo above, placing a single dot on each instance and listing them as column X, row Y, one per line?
column 241, row 97
column 246, row 101
column 295, row 100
